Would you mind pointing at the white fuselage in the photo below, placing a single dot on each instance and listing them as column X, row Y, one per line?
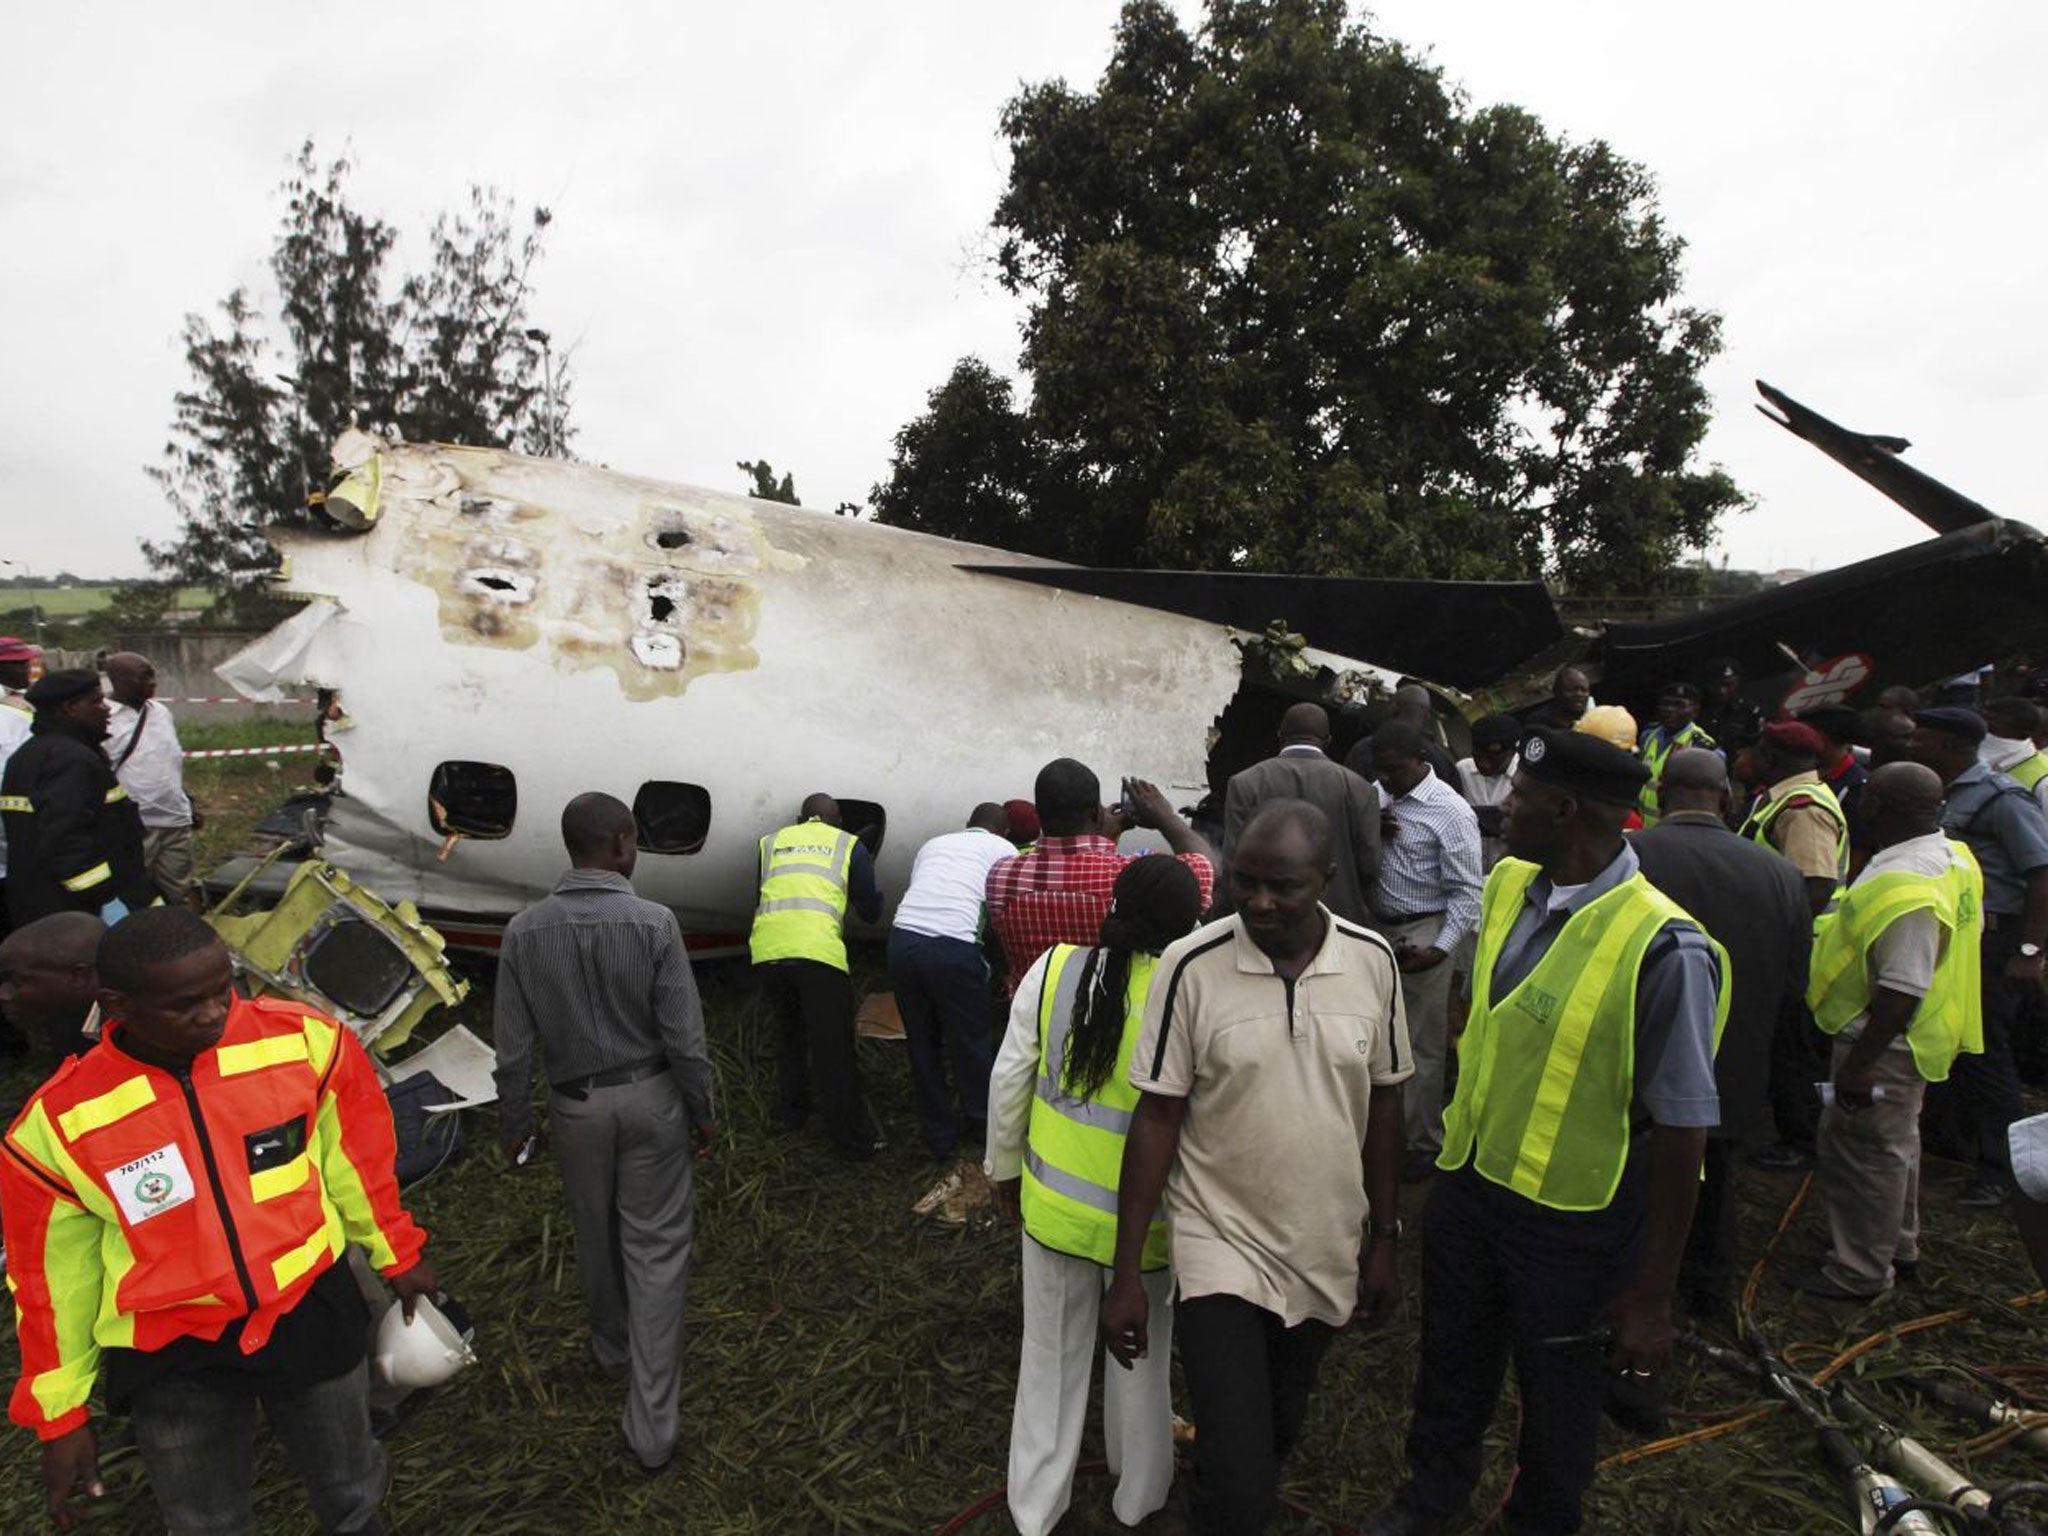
column 593, row 631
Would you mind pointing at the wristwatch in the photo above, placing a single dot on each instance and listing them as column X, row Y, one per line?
column 2030, row 951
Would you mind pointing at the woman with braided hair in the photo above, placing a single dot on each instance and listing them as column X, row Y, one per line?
column 1060, row 1102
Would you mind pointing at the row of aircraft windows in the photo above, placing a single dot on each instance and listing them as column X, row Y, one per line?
column 481, row 801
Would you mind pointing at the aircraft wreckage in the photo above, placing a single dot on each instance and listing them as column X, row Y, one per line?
column 500, row 633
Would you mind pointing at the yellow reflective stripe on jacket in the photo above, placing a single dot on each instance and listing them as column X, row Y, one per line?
column 300, row 1261
column 1074, row 1148
column 1547, row 1071
column 1819, row 795
column 254, row 1055
column 115, row 1104
column 18, row 803
column 269, row 1183
column 805, row 871
column 322, row 1040
column 349, row 1212
column 1949, row 1020
column 2029, row 771
column 90, row 878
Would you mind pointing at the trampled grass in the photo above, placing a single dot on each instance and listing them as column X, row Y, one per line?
column 850, row 1370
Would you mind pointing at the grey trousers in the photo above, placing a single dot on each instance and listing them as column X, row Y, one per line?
column 1427, row 995
column 625, row 1158
column 1867, row 1174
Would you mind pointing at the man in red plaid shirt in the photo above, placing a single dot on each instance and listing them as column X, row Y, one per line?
column 1058, row 892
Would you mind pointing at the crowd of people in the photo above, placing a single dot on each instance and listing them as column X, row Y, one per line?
column 1563, row 981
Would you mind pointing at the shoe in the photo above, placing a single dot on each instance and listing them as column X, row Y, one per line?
column 1986, row 1192
column 650, row 1468
column 1906, row 1271
column 1780, row 1157
column 1400, row 1518
column 1815, row 1283
column 1417, row 1167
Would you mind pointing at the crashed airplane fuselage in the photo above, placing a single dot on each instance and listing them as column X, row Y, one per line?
column 508, row 632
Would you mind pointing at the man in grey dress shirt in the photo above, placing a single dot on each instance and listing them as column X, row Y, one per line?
column 600, row 977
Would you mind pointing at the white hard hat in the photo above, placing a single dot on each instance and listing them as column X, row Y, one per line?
column 422, row 1353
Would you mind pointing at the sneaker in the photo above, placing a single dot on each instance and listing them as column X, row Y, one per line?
column 1986, row 1192
column 1815, row 1282
column 1780, row 1157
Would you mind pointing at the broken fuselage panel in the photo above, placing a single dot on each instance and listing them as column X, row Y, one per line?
column 528, row 629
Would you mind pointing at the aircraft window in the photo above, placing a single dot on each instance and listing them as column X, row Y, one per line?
column 659, row 603
column 472, row 799
column 672, row 538
column 356, row 966
column 672, row 818
column 865, row 820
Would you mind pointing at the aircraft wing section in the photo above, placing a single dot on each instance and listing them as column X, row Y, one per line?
column 1875, row 460
column 1914, row 616
column 1463, row 633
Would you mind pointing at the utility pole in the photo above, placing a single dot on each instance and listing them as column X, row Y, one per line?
column 547, row 374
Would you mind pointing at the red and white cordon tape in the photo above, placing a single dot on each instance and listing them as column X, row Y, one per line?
column 237, row 699
column 306, row 746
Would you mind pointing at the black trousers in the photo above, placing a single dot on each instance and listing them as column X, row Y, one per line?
column 1506, row 1279
column 1975, row 1108
column 1249, row 1377
column 1799, row 1059
column 1706, row 1275
column 814, row 1041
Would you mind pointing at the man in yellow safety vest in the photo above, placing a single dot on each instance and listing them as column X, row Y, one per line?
column 1572, row 1147
column 1677, row 704
column 1895, row 981
column 811, row 871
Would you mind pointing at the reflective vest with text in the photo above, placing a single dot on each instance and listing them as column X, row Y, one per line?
column 802, row 913
column 1546, row 1073
column 1074, row 1148
column 1950, row 1018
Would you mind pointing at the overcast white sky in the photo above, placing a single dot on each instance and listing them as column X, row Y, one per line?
column 770, row 219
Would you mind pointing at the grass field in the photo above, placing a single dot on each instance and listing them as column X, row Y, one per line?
column 849, row 1369
column 78, row 601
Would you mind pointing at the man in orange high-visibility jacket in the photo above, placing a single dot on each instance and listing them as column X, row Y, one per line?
column 175, row 1201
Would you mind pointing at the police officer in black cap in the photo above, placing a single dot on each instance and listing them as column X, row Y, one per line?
column 74, row 840
column 2005, row 829
column 1571, row 1149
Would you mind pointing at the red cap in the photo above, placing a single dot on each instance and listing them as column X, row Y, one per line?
column 1794, row 739
column 1022, row 817
column 12, row 649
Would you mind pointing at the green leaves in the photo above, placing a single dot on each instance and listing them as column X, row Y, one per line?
column 1294, row 305
column 450, row 358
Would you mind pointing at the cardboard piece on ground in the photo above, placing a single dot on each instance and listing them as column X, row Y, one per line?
column 877, row 1018
column 462, row 1062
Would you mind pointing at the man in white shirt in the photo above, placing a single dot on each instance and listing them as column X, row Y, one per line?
column 1486, row 777
column 1428, row 901
column 142, row 744
column 17, row 658
column 2011, row 726
column 941, row 977
column 1894, row 980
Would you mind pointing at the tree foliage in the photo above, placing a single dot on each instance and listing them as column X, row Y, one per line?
column 440, row 354
column 764, row 486
column 1296, row 305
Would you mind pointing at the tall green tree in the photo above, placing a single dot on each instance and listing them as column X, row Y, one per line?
column 441, row 354
column 1294, row 304
column 764, row 486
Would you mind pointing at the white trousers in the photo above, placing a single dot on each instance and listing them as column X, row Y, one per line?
column 1062, row 1309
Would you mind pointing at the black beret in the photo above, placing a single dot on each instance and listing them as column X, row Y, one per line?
column 1679, row 691
column 1966, row 724
column 62, row 686
column 1584, row 766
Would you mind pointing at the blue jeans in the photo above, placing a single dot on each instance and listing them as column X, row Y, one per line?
column 196, row 1440
column 942, row 994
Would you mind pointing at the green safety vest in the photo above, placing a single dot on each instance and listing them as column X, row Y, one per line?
column 1654, row 756
column 1757, row 828
column 804, row 871
column 1546, row 1073
column 1950, row 1018
column 2029, row 771
column 1074, row 1148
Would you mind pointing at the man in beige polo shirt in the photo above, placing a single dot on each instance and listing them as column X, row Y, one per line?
column 1272, row 1055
